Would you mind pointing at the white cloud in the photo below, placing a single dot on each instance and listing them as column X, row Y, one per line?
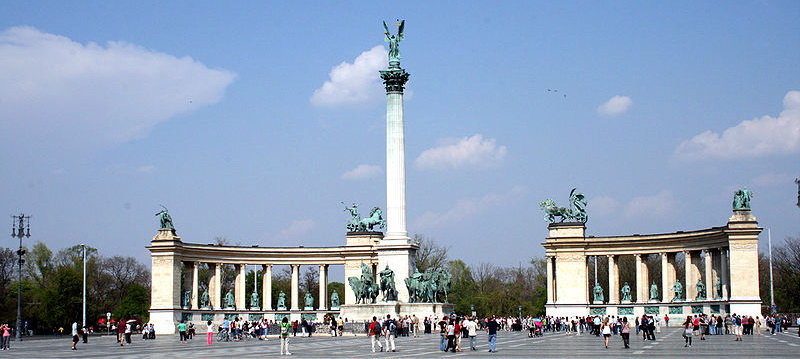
column 654, row 206
column 353, row 84
column 468, row 208
column 467, row 152
column 67, row 95
column 759, row 137
column 362, row 172
column 617, row 105
column 603, row 206
column 296, row 230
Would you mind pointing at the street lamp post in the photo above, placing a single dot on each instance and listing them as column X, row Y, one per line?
column 84, row 286
column 23, row 230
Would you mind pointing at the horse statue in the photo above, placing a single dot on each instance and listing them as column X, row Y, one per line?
column 576, row 211
column 375, row 219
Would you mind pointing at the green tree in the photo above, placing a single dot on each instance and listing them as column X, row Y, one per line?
column 134, row 304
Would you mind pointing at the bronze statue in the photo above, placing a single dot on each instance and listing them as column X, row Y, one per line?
column 741, row 199
column 394, row 43
column 166, row 219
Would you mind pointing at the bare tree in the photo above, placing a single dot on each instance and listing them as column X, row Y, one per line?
column 429, row 254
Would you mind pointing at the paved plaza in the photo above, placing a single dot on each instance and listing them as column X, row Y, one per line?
column 668, row 343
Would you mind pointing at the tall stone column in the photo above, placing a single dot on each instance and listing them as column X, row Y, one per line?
column 215, row 285
column 195, row 285
column 551, row 297
column 642, row 280
column 667, row 276
column 613, row 279
column 395, row 79
column 323, row 287
column 724, row 270
column 689, row 289
column 266, row 287
column 295, row 287
column 239, row 291
column 707, row 265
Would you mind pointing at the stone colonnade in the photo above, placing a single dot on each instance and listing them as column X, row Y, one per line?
column 170, row 255
column 725, row 259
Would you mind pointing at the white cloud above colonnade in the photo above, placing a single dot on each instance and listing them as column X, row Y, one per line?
column 473, row 151
column 70, row 95
column 353, row 84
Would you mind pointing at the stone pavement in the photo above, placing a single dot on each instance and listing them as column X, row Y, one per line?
column 669, row 343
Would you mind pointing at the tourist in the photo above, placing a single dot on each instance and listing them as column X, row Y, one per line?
column 703, row 326
column 209, row 332
column 737, row 327
column 74, row 335
column 651, row 328
column 712, row 325
column 415, row 324
column 443, row 334
column 625, row 333
column 182, row 331
column 375, row 333
column 121, row 332
column 226, row 329
column 491, row 330
column 472, row 332
column 389, row 332
column 720, row 325
column 666, row 320
column 285, row 336
column 128, row 331
column 6, row 335
column 688, row 327
column 758, row 325
column 333, row 325
column 605, row 329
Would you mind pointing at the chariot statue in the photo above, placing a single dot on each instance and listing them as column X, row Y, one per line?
column 741, row 199
column 576, row 212
column 358, row 224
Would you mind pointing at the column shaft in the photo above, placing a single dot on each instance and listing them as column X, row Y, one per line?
column 216, row 284
column 613, row 279
column 667, row 276
column 725, row 270
column 395, row 168
column 195, row 285
column 239, row 291
column 266, row 286
column 295, row 287
column 642, row 285
column 707, row 265
column 323, row 287
column 689, row 289
column 551, row 298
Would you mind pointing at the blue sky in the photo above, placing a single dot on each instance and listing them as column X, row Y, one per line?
column 254, row 120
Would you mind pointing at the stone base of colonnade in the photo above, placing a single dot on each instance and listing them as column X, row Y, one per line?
column 365, row 312
column 165, row 320
column 674, row 309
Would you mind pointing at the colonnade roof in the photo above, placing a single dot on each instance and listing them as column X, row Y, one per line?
column 300, row 255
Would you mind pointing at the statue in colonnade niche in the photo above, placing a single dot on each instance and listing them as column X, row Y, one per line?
column 309, row 300
column 205, row 301
column 254, row 299
column 186, row 298
column 701, row 290
column 335, row 300
column 281, row 300
column 626, row 292
column 719, row 289
column 229, row 300
column 598, row 293
column 653, row 291
column 678, row 288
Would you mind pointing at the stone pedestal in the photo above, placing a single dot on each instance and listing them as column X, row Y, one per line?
column 362, row 312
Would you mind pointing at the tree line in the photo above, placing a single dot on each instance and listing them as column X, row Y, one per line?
column 52, row 287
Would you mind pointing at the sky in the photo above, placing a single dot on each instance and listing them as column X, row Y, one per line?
column 255, row 120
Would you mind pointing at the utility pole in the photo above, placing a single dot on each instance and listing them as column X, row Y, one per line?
column 23, row 230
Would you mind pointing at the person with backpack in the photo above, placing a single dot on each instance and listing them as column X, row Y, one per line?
column 390, row 332
column 285, row 336
column 375, row 329
column 625, row 333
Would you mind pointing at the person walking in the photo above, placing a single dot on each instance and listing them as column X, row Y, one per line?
column 389, row 332
column 182, row 331
column 491, row 330
column 688, row 328
column 121, row 332
column 625, row 333
column 75, row 335
column 737, row 327
column 472, row 331
column 284, row 333
column 605, row 329
column 375, row 333
column 209, row 332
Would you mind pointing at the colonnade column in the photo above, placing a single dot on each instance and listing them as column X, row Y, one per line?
column 667, row 276
column 323, row 287
column 295, row 286
column 215, row 285
column 689, row 289
column 266, row 287
column 641, row 279
column 239, row 290
column 724, row 269
column 195, row 285
column 613, row 279
column 707, row 265
column 550, row 283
